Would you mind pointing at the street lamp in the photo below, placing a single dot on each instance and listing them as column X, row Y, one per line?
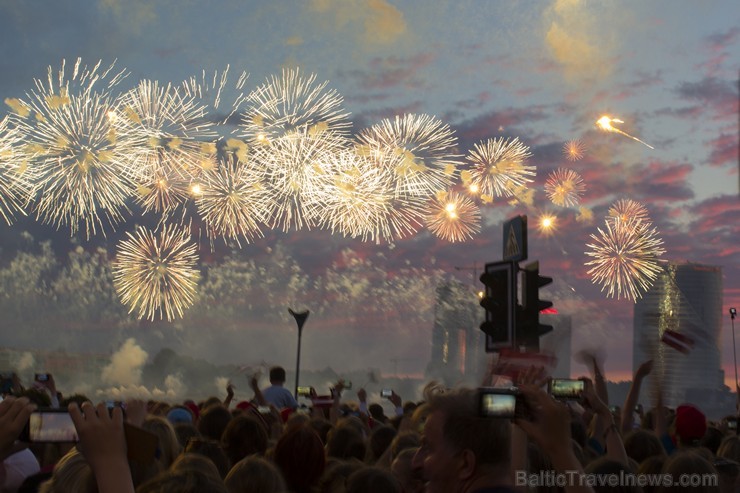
column 300, row 319
column 733, row 314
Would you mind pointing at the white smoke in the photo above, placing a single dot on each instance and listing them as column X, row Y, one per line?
column 24, row 362
column 174, row 385
column 126, row 365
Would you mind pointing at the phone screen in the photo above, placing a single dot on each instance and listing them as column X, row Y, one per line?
column 51, row 426
column 386, row 393
column 42, row 377
column 566, row 388
column 495, row 405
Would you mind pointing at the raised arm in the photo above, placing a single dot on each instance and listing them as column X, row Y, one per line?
column 103, row 443
column 633, row 395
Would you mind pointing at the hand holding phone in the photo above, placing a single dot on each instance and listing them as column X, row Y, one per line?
column 504, row 403
column 386, row 393
column 566, row 388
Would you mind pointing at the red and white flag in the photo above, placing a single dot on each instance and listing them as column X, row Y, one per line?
column 677, row 341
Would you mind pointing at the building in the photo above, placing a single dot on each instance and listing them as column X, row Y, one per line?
column 685, row 302
column 558, row 342
column 458, row 345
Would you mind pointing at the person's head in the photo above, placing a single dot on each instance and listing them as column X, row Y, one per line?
column 299, row 454
column 168, row 444
column 180, row 414
column 690, row 425
column 211, row 449
column 459, row 446
column 244, row 435
column 712, row 439
column 692, row 463
column 652, row 466
column 72, row 474
column 183, row 482
column 334, row 479
column 730, row 448
column 377, row 413
column 404, row 440
column 609, row 468
column 196, row 463
column 277, row 375
column 403, row 470
column 213, row 422
column 184, row 432
column 380, row 439
column 345, row 442
column 255, row 475
column 372, row 480
column 641, row 444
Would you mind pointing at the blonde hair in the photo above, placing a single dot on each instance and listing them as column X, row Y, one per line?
column 72, row 474
column 256, row 475
column 169, row 445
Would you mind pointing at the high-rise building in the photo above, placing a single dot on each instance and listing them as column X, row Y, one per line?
column 685, row 305
column 457, row 342
column 557, row 342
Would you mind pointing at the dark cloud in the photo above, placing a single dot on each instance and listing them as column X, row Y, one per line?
column 719, row 96
column 724, row 150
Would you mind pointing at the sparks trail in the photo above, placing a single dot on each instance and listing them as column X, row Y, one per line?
column 605, row 123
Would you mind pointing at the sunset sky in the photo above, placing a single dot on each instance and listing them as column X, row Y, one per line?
column 541, row 71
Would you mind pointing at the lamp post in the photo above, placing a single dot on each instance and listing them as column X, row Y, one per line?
column 733, row 314
column 300, row 319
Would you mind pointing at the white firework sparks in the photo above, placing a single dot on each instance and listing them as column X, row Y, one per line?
column 15, row 187
column 500, row 168
column 156, row 274
column 233, row 200
column 170, row 129
column 211, row 90
column 293, row 166
column 565, row 187
column 291, row 103
column 453, row 217
column 625, row 258
column 419, row 148
column 79, row 164
column 625, row 210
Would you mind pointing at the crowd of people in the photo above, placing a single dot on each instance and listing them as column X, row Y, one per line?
column 442, row 443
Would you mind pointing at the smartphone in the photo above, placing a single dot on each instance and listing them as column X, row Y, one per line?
column 386, row 393
column 49, row 425
column 6, row 383
column 304, row 391
column 732, row 424
column 41, row 377
column 264, row 409
column 505, row 403
column 566, row 388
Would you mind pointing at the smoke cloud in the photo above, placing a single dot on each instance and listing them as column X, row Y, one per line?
column 126, row 365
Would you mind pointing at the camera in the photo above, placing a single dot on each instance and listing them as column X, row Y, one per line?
column 49, row 425
column 505, row 403
column 566, row 388
column 386, row 393
column 304, row 391
column 41, row 377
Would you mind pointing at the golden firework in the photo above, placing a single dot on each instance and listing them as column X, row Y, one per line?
column 452, row 217
column 500, row 167
column 564, row 187
column 605, row 123
column 156, row 273
column 573, row 150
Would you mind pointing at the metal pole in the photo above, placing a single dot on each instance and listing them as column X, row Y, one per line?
column 733, row 312
column 298, row 362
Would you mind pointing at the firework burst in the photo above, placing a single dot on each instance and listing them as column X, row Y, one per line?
column 168, row 127
column 156, row 273
column 564, row 187
column 500, row 168
column 233, row 200
column 358, row 199
column 605, row 123
column 79, row 166
column 625, row 210
column 625, row 258
column 212, row 89
column 419, row 149
column 573, row 150
column 291, row 103
column 294, row 167
column 453, row 217
column 15, row 188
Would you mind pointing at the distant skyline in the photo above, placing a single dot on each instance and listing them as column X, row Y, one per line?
column 540, row 71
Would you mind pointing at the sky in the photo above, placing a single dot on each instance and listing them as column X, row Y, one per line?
column 541, row 71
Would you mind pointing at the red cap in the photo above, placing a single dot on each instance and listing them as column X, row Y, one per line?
column 193, row 408
column 285, row 414
column 691, row 424
column 244, row 405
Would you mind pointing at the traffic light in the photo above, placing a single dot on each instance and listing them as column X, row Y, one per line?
column 499, row 300
column 529, row 329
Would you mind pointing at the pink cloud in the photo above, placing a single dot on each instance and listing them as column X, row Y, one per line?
column 724, row 150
